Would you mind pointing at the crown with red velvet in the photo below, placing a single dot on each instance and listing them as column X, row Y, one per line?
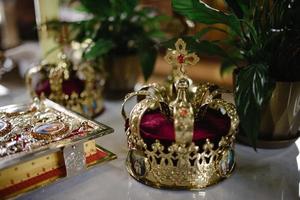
column 77, row 87
column 183, row 137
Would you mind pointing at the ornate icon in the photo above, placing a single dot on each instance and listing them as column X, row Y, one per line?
column 139, row 163
column 227, row 162
column 49, row 131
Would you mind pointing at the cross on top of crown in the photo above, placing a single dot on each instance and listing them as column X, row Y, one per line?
column 179, row 58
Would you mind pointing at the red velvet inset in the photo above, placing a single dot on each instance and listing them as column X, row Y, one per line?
column 69, row 86
column 73, row 85
column 213, row 125
column 43, row 87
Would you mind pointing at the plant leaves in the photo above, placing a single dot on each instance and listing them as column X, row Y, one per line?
column 259, row 82
column 250, row 123
column 253, row 89
column 201, row 12
column 147, row 60
column 98, row 8
column 122, row 6
column 128, row 5
column 210, row 48
column 226, row 67
column 156, row 34
column 247, row 88
column 100, row 48
column 236, row 8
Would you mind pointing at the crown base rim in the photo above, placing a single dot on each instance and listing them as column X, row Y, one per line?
column 195, row 187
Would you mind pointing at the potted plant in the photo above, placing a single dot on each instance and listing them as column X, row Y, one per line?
column 123, row 35
column 263, row 46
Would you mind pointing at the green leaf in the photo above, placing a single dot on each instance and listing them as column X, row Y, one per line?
column 119, row 7
column 147, row 58
column 245, row 6
column 259, row 82
column 236, row 8
column 189, row 40
column 100, row 48
column 128, row 5
column 156, row 34
column 253, row 89
column 226, row 67
column 252, row 81
column 210, row 48
column 250, row 123
column 98, row 8
column 201, row 12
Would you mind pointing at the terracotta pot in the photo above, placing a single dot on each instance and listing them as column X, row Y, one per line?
column 123, row 72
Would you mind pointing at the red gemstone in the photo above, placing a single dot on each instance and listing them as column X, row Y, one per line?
column 180, row 59
column 17, row 137
column 183, row 112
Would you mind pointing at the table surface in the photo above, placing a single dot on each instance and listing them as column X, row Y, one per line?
column 265, row 174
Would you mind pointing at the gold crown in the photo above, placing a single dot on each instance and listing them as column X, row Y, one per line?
column 77, row 87
column 183, row 162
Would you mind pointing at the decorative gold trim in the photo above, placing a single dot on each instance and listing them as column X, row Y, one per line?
column 180, row 57
column 183, row 164
column 6, row 128
column 176, row 187
column 183, row 114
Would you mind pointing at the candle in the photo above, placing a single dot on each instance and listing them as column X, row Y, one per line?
column 46, row 10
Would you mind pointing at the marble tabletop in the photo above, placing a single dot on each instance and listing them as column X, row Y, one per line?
column 265, row 174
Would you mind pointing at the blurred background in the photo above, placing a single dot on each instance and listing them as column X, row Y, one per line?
column 20, row 48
